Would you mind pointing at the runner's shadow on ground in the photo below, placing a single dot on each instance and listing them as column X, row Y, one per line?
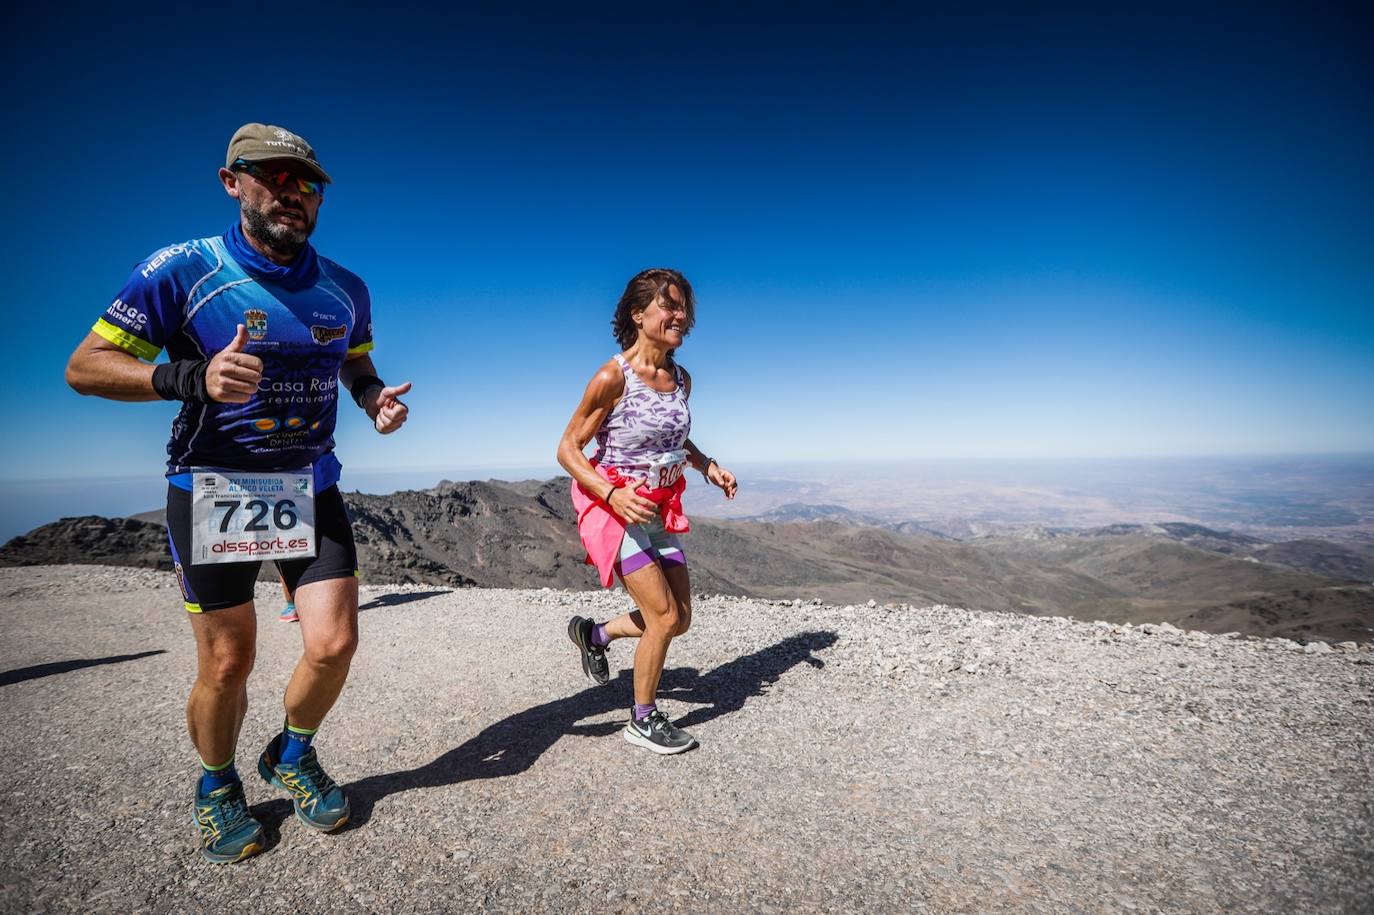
column 20, row 674
column 394, row 600
column 511, row 745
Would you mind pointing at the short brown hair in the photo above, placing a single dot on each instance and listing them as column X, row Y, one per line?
column 640, row 292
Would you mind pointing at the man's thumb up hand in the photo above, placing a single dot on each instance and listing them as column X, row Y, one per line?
column 239, row 343
column 233, row 375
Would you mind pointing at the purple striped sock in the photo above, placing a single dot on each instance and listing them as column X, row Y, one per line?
column 644, row 711
column 599, row 637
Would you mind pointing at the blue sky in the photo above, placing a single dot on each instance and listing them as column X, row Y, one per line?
column 998, row 234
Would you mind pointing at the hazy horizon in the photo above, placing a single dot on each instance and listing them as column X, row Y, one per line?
column 1324, row 495
column 514, row 471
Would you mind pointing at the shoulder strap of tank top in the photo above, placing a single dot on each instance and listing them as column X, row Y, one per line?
column 627, row 374
column 627, row 371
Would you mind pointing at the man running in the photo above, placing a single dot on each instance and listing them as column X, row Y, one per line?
column 260, row 332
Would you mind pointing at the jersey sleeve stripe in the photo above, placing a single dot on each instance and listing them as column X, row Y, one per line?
column 361, row 348
column 126, row 341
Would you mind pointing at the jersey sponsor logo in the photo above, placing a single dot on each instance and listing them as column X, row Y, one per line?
column 163, row 257
column 320, row 316
column 298, row 386
column 327, row 335
column 127, row 313
column 256, row 321
column 259, row 546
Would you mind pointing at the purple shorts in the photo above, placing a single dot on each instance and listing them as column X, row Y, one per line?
column 649, row 543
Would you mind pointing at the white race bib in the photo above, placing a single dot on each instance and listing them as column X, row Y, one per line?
column 242, row 517
column 666, row 469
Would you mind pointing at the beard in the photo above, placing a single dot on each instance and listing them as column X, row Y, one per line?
column 282, row 239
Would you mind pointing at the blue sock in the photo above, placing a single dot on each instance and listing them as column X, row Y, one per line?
column 215, row 777
column 293, row 743
column 599, row 637
column 644, row 711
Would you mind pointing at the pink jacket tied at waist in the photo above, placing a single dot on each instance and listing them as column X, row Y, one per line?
column 602, row 530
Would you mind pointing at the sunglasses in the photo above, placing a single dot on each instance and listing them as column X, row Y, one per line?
column 277, row 177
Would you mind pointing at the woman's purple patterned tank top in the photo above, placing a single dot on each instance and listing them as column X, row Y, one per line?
column 645, row 425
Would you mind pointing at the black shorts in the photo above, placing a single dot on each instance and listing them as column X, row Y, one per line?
column 220, row 585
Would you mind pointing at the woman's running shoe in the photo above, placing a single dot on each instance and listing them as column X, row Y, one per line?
column 594, row 663
column 288, row 614
column 658, row 734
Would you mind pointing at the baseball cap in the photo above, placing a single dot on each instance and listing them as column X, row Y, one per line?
column 260, row 142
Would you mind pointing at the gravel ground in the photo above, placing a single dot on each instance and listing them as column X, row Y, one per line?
column 852, row 759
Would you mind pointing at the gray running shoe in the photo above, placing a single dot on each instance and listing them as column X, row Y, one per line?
column 659, row 735
column 594, row 663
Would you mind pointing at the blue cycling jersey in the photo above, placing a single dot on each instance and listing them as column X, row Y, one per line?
column 303, row 321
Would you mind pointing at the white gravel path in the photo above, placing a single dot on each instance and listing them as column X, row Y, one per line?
column 853, row 759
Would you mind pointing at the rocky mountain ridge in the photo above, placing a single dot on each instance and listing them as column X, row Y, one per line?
column 523, row 534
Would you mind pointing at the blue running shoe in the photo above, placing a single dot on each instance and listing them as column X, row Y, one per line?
column 227, row 832
column 320, row 804
column 288, row 614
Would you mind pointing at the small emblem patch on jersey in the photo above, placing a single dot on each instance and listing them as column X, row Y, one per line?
column 256, row 322
column 326, row 335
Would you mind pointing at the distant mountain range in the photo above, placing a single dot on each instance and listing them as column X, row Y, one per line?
column 498, row 534
column 1309, row 555
column 794, row 512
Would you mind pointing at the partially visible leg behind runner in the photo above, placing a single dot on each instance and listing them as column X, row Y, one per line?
column 288, row 610
column 328, row 613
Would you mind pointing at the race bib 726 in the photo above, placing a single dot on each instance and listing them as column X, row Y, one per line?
column 238, row 517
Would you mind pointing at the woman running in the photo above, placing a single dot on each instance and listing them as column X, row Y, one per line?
column 629, row 495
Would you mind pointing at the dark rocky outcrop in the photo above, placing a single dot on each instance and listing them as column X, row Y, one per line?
column 523, row 535
column 91, row 539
